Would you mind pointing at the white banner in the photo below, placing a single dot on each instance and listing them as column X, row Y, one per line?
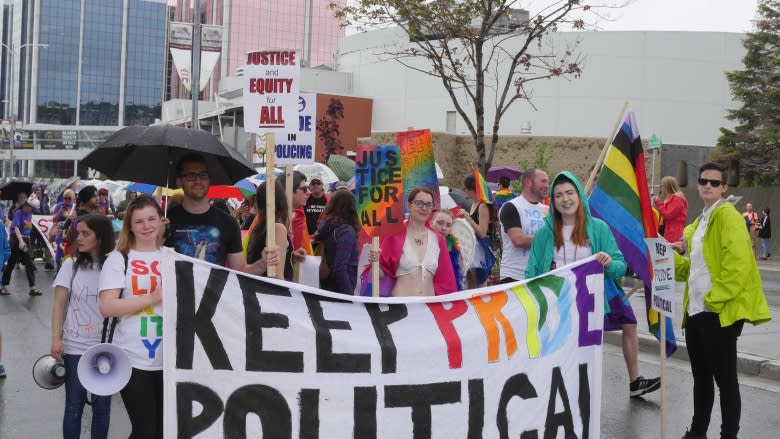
column 253, row 357
column 271, row 87
column 44, row 225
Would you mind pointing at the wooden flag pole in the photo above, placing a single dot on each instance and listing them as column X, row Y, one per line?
column 270, row 194
column 662, row 319
column 600, row 161
column 375, row 268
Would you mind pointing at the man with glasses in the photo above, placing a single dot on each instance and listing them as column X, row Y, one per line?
column 198, row 230
column 315, row 204
column 722, row 292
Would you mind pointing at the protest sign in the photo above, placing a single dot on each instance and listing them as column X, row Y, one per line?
column 271, row 86
column 249, row 356
column 419, row 166
column 44, row 225
column 662, row 259
column 378, row 189
column 294, row 147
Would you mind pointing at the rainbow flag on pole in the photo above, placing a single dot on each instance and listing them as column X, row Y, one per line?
column 621, row 198
column 483, row 192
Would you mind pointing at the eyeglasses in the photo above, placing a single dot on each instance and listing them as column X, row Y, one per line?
column 422, row 204
column 713, row 183
column 315, row 183
column 195, row 176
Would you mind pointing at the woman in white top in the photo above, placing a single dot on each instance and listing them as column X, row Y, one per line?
column 131, row 290
column 76, row 321
column 416, row 262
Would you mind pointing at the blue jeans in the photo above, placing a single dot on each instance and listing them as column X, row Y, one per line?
column 75, row 398
column 765, row 244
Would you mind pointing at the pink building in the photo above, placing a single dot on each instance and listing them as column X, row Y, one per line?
column 251, row 25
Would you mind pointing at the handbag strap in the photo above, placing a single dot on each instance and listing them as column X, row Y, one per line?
column 109, row 327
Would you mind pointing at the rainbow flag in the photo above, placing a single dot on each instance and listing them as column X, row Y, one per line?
column 418, row 163
column 483, row 192
column 622, row 200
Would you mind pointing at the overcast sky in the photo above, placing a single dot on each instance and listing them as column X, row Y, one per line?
column 685, row 15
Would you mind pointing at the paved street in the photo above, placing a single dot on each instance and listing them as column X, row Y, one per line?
column 771, row 282
column 27, row 411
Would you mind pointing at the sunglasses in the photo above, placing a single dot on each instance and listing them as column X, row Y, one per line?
column 713, row 183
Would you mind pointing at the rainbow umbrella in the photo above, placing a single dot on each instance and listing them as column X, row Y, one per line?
column 246, row 187
column 151, row 189
column 224, row 191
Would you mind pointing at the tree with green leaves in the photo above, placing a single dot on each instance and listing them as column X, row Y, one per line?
column 477, row 48
column 753, row 143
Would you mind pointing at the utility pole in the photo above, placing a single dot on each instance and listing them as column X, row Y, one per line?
column 195, row 77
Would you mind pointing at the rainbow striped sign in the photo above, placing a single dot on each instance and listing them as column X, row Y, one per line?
column 378, row 189
column 419, row 166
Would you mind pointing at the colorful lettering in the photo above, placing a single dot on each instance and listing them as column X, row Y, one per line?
column 444, row 318
column 489, row 313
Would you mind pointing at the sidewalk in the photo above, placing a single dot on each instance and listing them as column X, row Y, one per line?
column 758, row 346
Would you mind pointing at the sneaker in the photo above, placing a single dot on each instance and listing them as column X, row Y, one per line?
column 2, row 371
column 35, row 291
column 691, row 435
column 640, row 386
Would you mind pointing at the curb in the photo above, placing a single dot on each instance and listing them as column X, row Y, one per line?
column 749, row 364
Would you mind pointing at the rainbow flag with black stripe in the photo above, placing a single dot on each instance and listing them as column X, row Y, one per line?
column 621, row 198
column 481, row 187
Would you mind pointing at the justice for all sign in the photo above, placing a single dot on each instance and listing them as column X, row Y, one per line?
column 378, row 189
column 247, row 357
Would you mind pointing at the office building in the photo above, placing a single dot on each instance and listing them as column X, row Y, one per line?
column 75, row 71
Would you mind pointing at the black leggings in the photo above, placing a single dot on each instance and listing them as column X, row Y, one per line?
column 713, row 353
column 143, row 398
column 18, row 255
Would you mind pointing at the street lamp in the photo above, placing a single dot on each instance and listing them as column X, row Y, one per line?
column 11, row 90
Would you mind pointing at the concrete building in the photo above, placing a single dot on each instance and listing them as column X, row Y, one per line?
column 674, row 81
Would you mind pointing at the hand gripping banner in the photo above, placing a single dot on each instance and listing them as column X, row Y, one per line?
column 246, row 357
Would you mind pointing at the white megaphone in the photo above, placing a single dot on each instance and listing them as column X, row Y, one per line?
column 48, row 372
column 104, row 369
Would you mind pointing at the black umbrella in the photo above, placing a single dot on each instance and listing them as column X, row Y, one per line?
column 10, row 190
column 149, row 155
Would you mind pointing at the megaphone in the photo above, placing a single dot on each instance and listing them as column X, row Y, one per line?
column 48, row 372
column 104, row 369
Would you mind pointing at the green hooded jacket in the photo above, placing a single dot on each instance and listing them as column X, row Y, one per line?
column 599, row 234
column 736, row 292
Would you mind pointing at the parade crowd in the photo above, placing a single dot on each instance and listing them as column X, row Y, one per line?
column 107, row 259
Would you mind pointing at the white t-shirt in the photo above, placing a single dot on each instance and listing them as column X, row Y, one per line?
column 139, row 334
column 570, row 252
column 83, row 325
column 519, row 212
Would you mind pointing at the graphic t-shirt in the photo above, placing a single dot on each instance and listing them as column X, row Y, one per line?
column 209, row 236
column 83, row 322
column 313, row 210
column 139, row 334
column 23, row 221
column 528, row 216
